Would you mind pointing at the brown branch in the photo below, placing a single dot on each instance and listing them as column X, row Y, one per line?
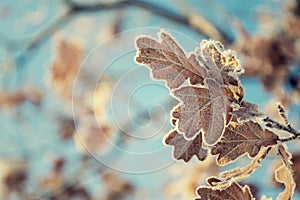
column 41, row 37
column 76, row 8
column 154, row 9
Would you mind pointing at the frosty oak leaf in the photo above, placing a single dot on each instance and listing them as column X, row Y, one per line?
column 240, row 173
column 201, row 108
column 246, row 138
column 168, row 61
column 284, row 174
column 186, row 149
column 233, row 192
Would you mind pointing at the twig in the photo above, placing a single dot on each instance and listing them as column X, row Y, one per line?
column 23, row 57
column 283, row 115
column 76, row 8
column 287, row 127
column 294, row 137
column 274, row 124
column 154, row 9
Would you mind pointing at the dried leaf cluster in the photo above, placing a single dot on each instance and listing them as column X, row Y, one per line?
column 273, row 55
column 64, row 71
column 212, row 116
column 88, row 134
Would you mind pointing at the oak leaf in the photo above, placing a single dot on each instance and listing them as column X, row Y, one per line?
column 241, row 173
column 284, row 174
column 233, row 192
column 186, row 149
column 168, row 61
column 222, row 64
column 296, row 169
column 201, row 109
column 247, row 138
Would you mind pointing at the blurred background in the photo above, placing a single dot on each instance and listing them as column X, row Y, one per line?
column 80, row 120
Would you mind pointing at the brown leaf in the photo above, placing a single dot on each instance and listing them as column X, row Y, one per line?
column 293, row 25
column 13, row 177
column 286, row 156
column 233, row 192
column 73, row 191
column 247, row 138
column 186, row 149
column 269, row 58
column 52, row 182
column 296, row 169
column 222, row 64
column 66, row 128
column 284, row 174
column 55, row 179
column 65, row 66
column 255, row 190
column 168, row 61
column 116, row 187
column 241, row 173
column 11, row 99
column 93, row 138
column 67, row 61
column 201, row 109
